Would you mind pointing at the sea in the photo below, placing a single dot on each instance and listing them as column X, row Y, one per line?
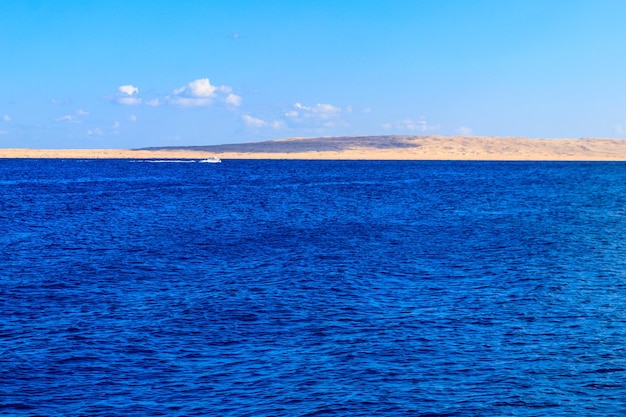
column 312, row 288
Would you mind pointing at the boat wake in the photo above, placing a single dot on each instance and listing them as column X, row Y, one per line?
column 171, row 161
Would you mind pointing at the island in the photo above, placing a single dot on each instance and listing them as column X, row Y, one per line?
column 392, row 147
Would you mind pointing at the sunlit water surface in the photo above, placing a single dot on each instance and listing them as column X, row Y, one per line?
column 301, row 288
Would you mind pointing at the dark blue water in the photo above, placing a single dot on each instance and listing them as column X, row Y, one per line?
column 302, row 288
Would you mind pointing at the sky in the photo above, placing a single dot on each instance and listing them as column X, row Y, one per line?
column 131, row 74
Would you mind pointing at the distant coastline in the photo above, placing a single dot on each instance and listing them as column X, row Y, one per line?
column 365, row 148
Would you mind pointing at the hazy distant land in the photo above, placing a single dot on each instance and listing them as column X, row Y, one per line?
column 367, row 148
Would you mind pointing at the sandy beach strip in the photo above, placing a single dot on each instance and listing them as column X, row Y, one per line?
column 418, row 148
column 23, row 153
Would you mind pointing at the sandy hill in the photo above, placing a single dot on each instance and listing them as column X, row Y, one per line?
column 369, row 147
column 421, row 147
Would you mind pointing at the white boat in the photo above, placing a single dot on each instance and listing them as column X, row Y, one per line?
column 211, row 160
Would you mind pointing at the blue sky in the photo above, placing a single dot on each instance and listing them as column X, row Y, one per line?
column 126, row 74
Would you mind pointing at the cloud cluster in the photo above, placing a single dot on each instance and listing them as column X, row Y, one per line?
column 320, row 114
column 302, row 116
column 198, row 93
column 202, row 93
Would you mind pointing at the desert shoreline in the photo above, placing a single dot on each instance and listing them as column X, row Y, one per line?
column 416, row 148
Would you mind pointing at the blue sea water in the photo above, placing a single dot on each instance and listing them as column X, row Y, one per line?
column 312, row 288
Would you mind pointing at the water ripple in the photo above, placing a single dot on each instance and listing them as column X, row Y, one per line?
column 319, row 288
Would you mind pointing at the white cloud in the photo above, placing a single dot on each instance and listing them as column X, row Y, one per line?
column 116, row 125
column 225, row 89
column 6, row 118
column 198, row 88
column 619, row 129
column 366, row 110
column 233, row 100
column 253, row 122
column 4, row 132
column 320, row 110
column 416, row 125
column 127, row 95
column 464, row 131
column 319, row 114
column 201, row 92
column 258, row 123
column 190, row 101
column 129, row 90
column 72, row 118
column 198, row 93
column 95, row 132
column 129, row 101
column 68, row 118
column 132, row 118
